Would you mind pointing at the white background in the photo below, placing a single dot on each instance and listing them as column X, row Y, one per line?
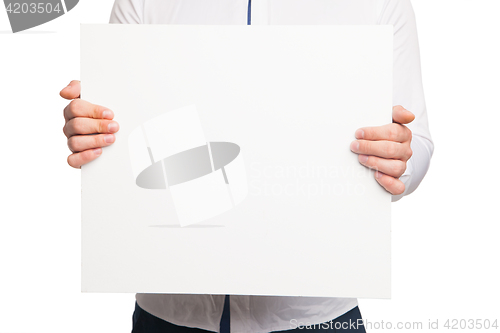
column 445, row 235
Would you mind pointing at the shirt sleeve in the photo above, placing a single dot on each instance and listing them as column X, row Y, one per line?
column 408, row 90
column 127, row 12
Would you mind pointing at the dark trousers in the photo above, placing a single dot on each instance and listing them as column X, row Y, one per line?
column 144, row 322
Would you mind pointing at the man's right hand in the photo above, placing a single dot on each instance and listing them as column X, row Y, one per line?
column 88, row 127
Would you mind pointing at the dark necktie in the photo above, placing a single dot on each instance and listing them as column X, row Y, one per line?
column 225, row 320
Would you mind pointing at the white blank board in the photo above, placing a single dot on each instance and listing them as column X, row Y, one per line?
column 297, row 215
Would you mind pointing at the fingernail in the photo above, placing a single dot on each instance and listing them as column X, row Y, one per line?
column 108, row 114
column 378, row 175
column 109, row 138
column 113, row 126
column 360, row 134
column 355, row 146
column 363, row 158
column 97, row 151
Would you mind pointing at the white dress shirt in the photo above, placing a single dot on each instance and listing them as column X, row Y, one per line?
column 274, row 313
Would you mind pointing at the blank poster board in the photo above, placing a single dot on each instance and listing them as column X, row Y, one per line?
column 231, row 172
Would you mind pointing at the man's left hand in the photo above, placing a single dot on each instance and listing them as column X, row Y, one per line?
column 386, row 149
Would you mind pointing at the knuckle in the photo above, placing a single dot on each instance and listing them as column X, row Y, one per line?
column 98, row 141
column 393, row 168
column 76, row 124
column 70, row 127
column 409, row 134
column 399, row 168
column 402, row 168
column 102, row 126
column 374, row 165
column 95, row 111
column 365, row 146
column 409, row 152
column 75, row 106
column 72, row 144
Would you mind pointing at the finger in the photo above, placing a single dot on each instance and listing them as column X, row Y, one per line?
column 391, row 184
column 79, row 126
column 390, row 132
column 80, row 143
column 401, row 115
column 384, row 149
column 72, row 90
column 81, row 108
column 394, row 168
column 79, row 159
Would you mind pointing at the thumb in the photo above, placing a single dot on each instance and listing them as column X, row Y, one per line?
column 72, row 91
column 401, row 116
